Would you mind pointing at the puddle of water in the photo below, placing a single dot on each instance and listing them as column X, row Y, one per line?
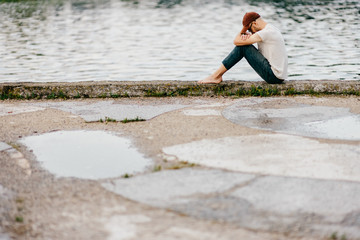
column 345, row 127
column 4, row 146
column 99, row 110
column 304, row 120
column 86, row 154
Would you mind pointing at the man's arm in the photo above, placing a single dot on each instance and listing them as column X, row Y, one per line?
column 242, row 40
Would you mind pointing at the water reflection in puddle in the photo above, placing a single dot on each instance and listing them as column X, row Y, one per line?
column 93, row 111
column 347, row 127
column 86, row 154
column 305, row 120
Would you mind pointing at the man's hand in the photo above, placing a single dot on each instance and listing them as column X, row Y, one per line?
column 246, row 39
column 245, row 36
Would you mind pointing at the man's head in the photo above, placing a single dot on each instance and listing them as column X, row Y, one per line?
column 248, row 20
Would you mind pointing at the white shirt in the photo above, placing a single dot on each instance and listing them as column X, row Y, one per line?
column 272, row 47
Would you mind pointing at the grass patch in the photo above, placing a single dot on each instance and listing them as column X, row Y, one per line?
column 19, row 200
column 126, row 120
column 291, row 92
column 112, row 95
column 334, row 236
column 180, row 165
column 137, row 119
column 107, row 119
column 59, row 94
column 4, row 96
column 172, row 90
column 155, row 93
column 126, row 175
column 33, row 96
column 116, row 95
column 264, row 92
column 258, row 91
column 104, row 95
column 157, row 168
column 19, row 219
column 16, row 147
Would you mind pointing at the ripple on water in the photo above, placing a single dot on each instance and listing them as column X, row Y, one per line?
column 161, row 40
column 86, row 154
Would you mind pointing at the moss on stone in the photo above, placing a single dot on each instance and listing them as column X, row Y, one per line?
column 174, row 89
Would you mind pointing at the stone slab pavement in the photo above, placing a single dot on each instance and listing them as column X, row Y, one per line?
column 267, row 203
column 220, row 164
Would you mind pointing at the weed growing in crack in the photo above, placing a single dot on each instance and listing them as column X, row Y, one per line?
column 157, row 168
column 334, row 236
column 126, row 175
column 19, row 219
column 181, row 164
column 137, row 119
column 126, row 120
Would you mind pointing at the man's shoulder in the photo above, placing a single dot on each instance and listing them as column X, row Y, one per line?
column 269, row 31
column 270, row 27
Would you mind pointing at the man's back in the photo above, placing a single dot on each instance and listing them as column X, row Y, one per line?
column 272, row 47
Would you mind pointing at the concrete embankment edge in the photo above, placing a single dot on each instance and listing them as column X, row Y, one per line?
column 111, row 89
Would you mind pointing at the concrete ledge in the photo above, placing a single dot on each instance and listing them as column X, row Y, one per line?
column 112, row 89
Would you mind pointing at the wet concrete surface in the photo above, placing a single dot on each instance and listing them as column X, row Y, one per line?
column 299, row 119
column 92, row 111
column 275, row 154
column 111, row 109
column 209, row 178
column 4, row 146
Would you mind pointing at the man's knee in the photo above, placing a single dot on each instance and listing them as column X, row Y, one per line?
column 248, row 48
column 243, row 47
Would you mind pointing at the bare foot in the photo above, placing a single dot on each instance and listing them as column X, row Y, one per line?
column 211, row 79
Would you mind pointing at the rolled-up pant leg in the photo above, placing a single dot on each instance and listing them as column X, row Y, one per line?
column 256, row 60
